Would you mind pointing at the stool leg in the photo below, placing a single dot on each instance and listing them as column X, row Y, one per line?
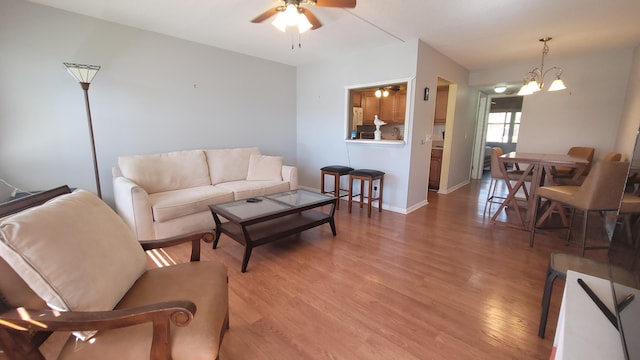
column 361, row 193
column 370, row 197
column 350, row 194
column 322, row 182
column 380, row 196
column 336, row 189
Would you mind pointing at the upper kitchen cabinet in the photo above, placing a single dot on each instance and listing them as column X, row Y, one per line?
column 388, row 102
column 393, row 106
column 442, row 97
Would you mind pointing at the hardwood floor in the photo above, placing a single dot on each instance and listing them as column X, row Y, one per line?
column 439, row 283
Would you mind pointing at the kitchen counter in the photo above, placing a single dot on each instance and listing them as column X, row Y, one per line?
column 375, row 142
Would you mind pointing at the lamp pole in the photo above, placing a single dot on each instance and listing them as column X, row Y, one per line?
column 84, row 74
column 85, row 88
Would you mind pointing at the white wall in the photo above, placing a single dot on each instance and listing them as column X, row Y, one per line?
column 457, row 151
column 626, row 138
column 321, row 118
column 154, row 93
column 588, row 113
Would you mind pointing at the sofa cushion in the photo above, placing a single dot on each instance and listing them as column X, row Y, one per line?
column 74, row 252
column 245, row 189
column 263, row 167
column 166, row 171
column 174, row 204
column 229, row 164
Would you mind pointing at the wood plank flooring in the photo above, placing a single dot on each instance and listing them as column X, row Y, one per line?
column 439, row 283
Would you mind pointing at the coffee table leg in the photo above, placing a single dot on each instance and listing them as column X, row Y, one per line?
column 218, row 233
column 245, row 260
column 216, row 219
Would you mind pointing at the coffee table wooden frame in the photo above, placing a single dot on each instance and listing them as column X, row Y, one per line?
column 269, row 226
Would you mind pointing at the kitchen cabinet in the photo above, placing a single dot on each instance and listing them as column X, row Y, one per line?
column 435, row 168
column 390, row 109
column 370, row 107
column 442, row 98
column 393, row 107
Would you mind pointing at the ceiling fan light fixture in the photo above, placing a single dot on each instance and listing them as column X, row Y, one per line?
column 291, row 16
column 280, row 22
column 303, row 23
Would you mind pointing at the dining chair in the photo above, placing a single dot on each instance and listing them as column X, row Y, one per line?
column 575, row 151
column 497, row 175
column 601, row 191
column 562, row 180
column 560, row 263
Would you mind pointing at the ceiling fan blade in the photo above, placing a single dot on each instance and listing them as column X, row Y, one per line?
column 337, row 3
column 265, row 15
column 315, row 23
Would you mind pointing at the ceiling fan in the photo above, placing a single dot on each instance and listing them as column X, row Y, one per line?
column 291, row 13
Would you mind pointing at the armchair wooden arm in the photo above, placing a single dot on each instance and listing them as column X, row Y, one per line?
column 161, row 315
column 176, row 240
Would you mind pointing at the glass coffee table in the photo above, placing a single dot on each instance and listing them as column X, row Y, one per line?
column 261, row 220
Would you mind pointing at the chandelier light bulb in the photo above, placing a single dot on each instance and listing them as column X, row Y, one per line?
column 557, row 84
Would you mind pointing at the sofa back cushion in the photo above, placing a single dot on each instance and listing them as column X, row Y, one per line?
column 74, row 251
column 167, row 171
column 229, row 164
column 263, row 167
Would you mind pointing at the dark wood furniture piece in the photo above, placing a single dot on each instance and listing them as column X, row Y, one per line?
column 257, row 221
column 21, row 337
column 435, row 168
column 369, row 176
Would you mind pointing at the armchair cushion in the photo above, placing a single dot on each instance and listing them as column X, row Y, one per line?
column 101, row 256
column 263, row 167
column 204, row 283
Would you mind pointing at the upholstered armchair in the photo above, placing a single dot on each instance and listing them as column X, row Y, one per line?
column 72, row 264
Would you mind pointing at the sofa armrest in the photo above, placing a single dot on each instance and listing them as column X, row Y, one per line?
column 290, row 174
column 133, row 205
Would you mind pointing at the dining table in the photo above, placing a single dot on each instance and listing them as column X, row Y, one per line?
column 536, row 169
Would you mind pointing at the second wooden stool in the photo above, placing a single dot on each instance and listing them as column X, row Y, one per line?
column 366, row 175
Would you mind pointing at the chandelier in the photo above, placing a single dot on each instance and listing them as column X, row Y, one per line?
column 534, row 79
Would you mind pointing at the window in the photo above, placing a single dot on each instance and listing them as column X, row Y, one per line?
column 503, row 127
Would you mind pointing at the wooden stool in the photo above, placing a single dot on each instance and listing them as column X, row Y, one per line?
column 370, row 176
column 336, row 171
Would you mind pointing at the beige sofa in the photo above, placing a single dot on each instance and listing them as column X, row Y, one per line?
column 168, row 194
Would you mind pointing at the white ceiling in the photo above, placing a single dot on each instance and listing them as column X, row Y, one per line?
column 476, row 34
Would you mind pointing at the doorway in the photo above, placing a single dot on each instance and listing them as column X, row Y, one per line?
column 441, row 135
column 498, row 126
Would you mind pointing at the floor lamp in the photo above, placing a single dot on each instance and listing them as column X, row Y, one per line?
column 84, row 74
